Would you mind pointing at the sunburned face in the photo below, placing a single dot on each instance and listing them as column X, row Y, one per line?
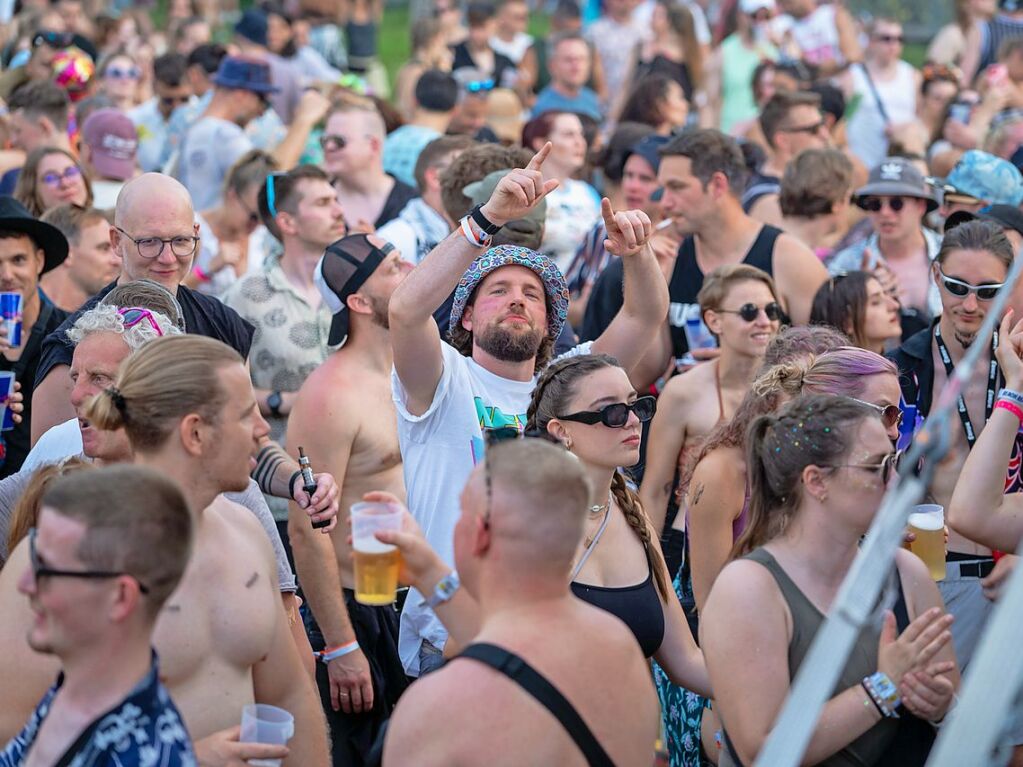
column 508, row 315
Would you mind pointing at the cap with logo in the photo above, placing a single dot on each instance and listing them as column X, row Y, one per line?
column 344, row 267
column 985, row 178
column 113, row 141
column 897, row 177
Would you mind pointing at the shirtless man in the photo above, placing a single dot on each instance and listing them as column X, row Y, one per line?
column 692, row 404
column 344, row 417
column 973, row 256
column 514, row 546
column 187, row 405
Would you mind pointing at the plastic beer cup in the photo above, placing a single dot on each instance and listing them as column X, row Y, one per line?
column 376, row 563
column 927, row 523
column 263, row 723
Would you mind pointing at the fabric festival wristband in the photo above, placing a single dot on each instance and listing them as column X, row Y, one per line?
column 484, row 242
column 1015, row 396
column 1004, row 404
column 333, row 653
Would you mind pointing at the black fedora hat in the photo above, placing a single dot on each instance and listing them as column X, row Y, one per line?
column 14, row 217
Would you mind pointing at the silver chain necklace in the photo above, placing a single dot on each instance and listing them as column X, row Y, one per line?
column 598, row 509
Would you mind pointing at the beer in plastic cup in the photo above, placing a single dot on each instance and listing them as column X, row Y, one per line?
column 376, row 563
column 927, row 523
column 10, row 315
column 263, row 723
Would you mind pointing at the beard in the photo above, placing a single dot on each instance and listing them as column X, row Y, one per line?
column 379, row 306
column 508, row 346
column 964, row 339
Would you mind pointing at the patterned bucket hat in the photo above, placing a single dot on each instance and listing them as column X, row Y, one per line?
column 516, row 255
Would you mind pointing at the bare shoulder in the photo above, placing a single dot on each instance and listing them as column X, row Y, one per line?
column 742, row 586
column 722, row 463
column 239, row 518
column 334, row 380
column 796, row 253
column 683, row 389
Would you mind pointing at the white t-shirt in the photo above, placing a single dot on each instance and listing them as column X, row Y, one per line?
column 208, row 150
column 56, row 444
column 439, row 449
column 866, row 129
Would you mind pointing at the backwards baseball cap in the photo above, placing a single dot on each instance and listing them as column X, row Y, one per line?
column 114, row 141
column 897, row 177
column 515, row 255
column 985, row 178
column 345, row 265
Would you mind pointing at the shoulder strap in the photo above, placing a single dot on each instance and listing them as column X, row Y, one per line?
column 530, row 680
column 875, row 94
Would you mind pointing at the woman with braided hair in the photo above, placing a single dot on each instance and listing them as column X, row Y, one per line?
column 587, row 404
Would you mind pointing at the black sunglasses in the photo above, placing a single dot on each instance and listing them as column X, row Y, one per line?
column 330, row 142
column 889, row 38
column 39, row 571
column 53, row 39
column 749, row 312
column 616, row 415
column 815, row 128
column 874, row 204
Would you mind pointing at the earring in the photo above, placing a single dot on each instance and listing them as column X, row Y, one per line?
column 568, row 443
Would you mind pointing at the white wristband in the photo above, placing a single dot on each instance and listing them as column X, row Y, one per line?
column 483, row 242
column 338, row 652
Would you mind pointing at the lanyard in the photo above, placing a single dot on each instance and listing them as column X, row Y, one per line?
column 992, row 384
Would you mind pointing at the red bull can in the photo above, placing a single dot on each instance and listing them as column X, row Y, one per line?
column 10, row 316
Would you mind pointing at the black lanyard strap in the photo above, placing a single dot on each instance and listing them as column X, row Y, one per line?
column 992, row 384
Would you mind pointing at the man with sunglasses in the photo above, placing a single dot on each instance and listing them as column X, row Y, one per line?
column 51, row 36
column 96, row 577
column 896, row 198
column 510, row 304
column 969, row 269
column 152, row 118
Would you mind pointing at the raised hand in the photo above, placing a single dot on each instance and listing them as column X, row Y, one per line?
column 914, row 647
column 628, row 231
column 519, row 191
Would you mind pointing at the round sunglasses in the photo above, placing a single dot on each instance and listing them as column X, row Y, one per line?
column 874, row 204
column 962, row 289
column 750, row 312
column 616, row 415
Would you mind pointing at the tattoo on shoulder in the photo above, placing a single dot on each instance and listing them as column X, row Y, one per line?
column 697, row 493
column 252, row 580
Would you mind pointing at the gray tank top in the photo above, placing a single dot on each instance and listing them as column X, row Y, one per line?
column 806, row 620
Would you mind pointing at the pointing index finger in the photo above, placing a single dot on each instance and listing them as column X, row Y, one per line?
column 607, row 212
column 537, row 162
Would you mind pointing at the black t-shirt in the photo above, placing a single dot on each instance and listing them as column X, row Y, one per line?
column 400, row 194
column 204, row 315
column 18, row 440
column 463, row 58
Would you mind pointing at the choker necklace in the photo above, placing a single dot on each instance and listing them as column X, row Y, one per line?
column 598, row 509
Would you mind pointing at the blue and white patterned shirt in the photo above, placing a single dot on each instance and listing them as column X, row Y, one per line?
column 143, row 730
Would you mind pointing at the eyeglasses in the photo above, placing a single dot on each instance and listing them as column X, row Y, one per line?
column 962, row 289
column 152, row 247
column 53, row 39
column 891, row 415
column 173, row 101
column 750, row 312
column 331, row 142
column 133, row 315
column 875, row 204
column 39, row 571
column 616, row 415
column 479, row 86
column 885, row 468
column 119, row 73
column 70, row 173
column 889, row 38
column 815, row 128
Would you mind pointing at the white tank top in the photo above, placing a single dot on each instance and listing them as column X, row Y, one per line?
column 817, row 37
column 866, row 129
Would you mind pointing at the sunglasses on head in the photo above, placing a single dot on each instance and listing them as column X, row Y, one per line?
column 874, row 204
column 133, row 315
column 962, row 289
column 53, row 39
column 616, row 415
column 750, row 312
column 891, row 415
column 479, row 86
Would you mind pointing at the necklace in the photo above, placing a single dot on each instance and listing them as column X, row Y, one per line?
column 591, row 540
column 600, row 508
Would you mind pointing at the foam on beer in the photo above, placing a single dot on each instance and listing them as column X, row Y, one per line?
column 930, row 522
column 372, row 546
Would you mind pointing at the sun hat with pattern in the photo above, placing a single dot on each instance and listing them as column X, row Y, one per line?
column 515, row 255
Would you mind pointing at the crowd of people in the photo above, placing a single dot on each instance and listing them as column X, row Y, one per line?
column 632, row 320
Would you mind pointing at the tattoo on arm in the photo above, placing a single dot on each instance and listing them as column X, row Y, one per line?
column 697, row 493
column 252, row 580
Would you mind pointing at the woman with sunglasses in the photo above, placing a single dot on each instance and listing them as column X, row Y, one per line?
column 52, row 177
column 857, row 304
column 227, row 230
column 119, row 77
column 815, row 484
column 739, row 305
column 587, row 404
column 714, row 485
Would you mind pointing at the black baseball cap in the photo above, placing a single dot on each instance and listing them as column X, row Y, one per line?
column 346, row 264
column 1005, row 216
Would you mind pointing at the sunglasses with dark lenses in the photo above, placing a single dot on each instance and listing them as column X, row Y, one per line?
column 874, row 204
column 815, row 128
column 330, row 142
column 750, row 312
column 53, row 39
column 173, row 101
column 133, row 315
column 890, row 38
column 616, row 415
column 962, row 289
column 41, row 571
column 891, row 415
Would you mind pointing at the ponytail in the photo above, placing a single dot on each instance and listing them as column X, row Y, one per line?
column 107, row 410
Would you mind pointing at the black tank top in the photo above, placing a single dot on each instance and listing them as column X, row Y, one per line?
column 638, row 607
column 687, row 279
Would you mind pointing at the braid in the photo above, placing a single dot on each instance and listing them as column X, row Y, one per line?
column 628, row 502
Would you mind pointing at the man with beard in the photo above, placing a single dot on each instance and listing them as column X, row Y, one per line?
column 187, row 407
column 970, row 267
column 510, row 304
column 345, row 420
